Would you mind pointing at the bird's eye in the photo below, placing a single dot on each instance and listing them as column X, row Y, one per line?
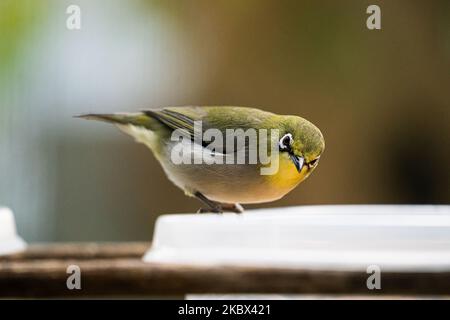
column 286, row 141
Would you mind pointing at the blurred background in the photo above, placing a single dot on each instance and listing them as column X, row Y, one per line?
column 381, row 99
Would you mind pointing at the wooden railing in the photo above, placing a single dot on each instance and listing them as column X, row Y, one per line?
column 116, row 269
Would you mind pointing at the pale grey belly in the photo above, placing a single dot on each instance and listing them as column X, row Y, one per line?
column 230, row 183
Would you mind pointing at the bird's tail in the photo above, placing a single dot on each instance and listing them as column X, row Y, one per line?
column 138, row 119
column 140, row 126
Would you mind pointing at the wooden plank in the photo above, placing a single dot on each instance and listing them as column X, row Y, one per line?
column 132, row 277
column 81, row 251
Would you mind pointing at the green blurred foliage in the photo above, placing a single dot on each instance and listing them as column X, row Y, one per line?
column 19, row 20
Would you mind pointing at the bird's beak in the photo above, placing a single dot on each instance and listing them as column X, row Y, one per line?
column 298, row 161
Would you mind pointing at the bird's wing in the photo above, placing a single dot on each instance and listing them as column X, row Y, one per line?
column 220, row 118
column 175, row 120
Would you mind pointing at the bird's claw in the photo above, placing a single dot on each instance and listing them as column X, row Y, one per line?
column 209, row 210
column 234, row 207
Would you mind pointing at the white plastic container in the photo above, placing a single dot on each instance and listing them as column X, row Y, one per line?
column 10, row 242
column 338, row 237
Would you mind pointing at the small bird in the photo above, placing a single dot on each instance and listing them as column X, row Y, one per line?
column 222, row 185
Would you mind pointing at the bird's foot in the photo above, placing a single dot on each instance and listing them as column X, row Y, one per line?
column 221, row 208
column 210, row 210
column 217, row 207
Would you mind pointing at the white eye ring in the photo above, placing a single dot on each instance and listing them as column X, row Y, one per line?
column 286, row 141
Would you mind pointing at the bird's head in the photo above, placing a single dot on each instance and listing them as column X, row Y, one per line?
column 302, row 142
